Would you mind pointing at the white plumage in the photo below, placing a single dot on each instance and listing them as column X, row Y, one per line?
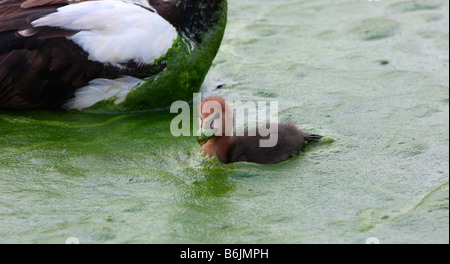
column 77, row 53
column 114, row 31
column 103, row 89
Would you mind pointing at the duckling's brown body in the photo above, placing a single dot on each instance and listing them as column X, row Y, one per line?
column 229, row 149
column 291, row 141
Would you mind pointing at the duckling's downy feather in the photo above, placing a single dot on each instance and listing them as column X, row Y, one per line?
column 291, row 141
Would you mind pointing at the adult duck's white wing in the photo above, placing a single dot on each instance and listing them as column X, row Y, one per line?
column 112, row 31
column 51, row 48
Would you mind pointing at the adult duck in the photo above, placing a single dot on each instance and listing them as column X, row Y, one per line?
column 229, row 149
column 116, row 55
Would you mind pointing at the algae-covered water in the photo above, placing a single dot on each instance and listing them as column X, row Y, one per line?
column 372, row 75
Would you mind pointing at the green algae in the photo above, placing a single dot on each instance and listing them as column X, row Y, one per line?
column 376, row 28
column 186, row 66
column 380, row 171
column 184, row 74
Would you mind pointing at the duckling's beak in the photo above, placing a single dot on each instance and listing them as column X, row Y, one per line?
column 206, row 134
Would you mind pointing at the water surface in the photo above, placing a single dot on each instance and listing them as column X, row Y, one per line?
column 371, row 75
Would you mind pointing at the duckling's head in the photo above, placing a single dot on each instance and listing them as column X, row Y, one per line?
column 216, row 119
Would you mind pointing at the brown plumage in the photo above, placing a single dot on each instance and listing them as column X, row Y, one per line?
column 229, row 149
column 291, row 141
column 43, row 69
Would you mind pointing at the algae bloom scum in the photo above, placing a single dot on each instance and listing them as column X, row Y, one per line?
column 372, row 75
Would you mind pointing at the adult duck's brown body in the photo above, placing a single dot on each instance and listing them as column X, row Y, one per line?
column 229, row 149
column 53, row 51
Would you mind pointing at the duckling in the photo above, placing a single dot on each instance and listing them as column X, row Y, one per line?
column 217, row 139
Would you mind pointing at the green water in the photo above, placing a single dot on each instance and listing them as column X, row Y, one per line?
column 371, row 75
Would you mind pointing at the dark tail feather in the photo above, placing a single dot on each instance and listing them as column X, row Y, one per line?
column 312, row 137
